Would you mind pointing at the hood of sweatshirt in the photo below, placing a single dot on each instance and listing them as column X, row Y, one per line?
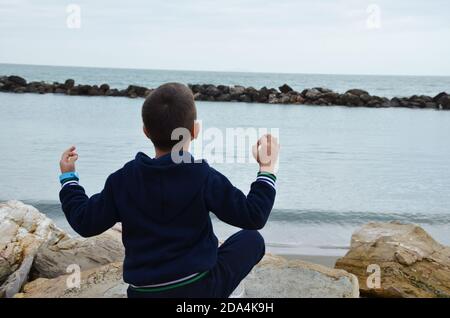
column 162, row 188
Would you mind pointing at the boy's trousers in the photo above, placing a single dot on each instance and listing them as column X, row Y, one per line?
column 236, row 258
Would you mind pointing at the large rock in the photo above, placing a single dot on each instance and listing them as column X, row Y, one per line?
column 311, row 94
column 285, row 89
column 274, row 277
column 52, row 260
column 69, row 83
column 212, row 90
column 357, row 92
column 101, row 282
column 411, row 262
column 17, row 80
column 443, row 100
column 23, row 230
column 236, row 92
column 136, row 91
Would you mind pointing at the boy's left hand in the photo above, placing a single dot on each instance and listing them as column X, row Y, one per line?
column 68, row 158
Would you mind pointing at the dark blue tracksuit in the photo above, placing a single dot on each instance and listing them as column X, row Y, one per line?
column 166, row 227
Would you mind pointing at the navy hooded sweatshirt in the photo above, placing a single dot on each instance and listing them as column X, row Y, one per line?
column 164, row 209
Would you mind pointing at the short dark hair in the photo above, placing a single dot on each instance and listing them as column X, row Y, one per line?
column 168, row 107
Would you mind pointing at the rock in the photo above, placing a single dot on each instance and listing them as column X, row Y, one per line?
column 17, row 280
column 273, row 99
column 285, row 99
column 300, row 100
column 223, row 98
column 357, row 92
column 52, row 260
column 245, row 98
column 323, row 90
column 438, row 97
column 59, row 91
column 94, row 91
column 101, row 282
column 224, row 93
column 274, row 277
column 311, row 94
column 395, row 102
column 349, row 99
column 17, row 80
column 112, row 92
column 212, row 90
column 264, row 94
column 224, row 89
column 19, row 89
column 367, row 98
column 253, row 93
column 236, row 92
column 330, row 97
column 104, row 88
column 69, row 83
column 83, row 89
column 321, row 102
column 443, row 102
column 23, row 230
column 134, row 91
column 285, row 89
column 411, row 262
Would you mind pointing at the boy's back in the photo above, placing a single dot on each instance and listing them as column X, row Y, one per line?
column 170, row 246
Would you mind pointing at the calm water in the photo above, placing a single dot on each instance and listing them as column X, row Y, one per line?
column 339, row 168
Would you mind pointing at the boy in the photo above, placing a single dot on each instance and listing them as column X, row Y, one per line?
column 170, row 246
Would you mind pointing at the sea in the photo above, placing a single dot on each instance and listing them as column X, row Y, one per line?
column 339, row 167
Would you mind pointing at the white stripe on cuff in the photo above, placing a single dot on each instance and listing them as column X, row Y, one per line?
column 70, row 182
column 167, row 283
column 266, row 180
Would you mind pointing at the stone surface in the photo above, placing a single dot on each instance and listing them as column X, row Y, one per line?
column 285, row 89
column 223, row 93
column 273, row 277
column 52, row 260
column 101, row 282
column 411, row 262
column 23, row 230
column 276, row 277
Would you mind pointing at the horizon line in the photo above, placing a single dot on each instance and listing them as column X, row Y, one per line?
column 221, row 71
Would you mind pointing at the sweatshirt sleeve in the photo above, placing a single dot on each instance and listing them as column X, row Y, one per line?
column 88, row 216
column 232, row 206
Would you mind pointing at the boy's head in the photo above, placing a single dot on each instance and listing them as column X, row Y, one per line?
column 168, row 107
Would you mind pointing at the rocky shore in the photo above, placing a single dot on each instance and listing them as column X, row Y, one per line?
column 37, row 260
column 222, row 93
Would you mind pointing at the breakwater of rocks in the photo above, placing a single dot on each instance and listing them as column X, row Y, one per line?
column 223, row 93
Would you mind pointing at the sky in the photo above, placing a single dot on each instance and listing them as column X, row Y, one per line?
column 401, row 37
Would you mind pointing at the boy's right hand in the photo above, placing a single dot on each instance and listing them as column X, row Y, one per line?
column 266, row 153
column 68, row 158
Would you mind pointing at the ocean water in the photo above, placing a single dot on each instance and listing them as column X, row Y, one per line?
column 339, row 167
column 384, row 86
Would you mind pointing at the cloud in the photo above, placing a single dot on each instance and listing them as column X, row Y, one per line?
column 303, row 36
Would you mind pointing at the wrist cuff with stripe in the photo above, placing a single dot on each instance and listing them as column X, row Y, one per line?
column 267, row 177
column 68, row 178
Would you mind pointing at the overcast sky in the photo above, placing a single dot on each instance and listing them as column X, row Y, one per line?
column 293, row 36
